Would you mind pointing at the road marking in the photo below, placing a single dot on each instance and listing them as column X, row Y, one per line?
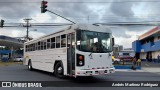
column 146, row 64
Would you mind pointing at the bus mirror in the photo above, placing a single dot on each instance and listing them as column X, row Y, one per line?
column 112, row 41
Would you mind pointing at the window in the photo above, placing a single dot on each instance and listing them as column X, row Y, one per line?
column 45, row 46
column 58, row 42
column 36, row 46
column 53, row 42
column 26, row 48
column 96, row 42
column 42, row 45
column 48, row 43
column 63, row 40
column 39, row 46
column 33, row 47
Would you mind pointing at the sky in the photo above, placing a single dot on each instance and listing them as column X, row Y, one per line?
column 80, row 11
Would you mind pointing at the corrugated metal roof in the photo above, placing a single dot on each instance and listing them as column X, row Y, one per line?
column 149, row 33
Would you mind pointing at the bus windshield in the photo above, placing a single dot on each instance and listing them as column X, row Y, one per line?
column 95, row 42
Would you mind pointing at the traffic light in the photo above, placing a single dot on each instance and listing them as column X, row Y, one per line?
column 2, row 23
column 44, row 6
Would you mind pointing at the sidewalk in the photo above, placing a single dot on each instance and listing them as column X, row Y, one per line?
column 151, row 69
column 146, row 67
column 150, row 64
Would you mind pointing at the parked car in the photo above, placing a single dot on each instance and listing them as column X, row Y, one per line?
column 116, row 60
column 126, row 58
column 18, row 59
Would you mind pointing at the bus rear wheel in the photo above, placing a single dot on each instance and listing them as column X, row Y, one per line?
column 58, row 71
column 30, row 66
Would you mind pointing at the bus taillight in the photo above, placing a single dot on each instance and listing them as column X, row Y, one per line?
column 80, row 60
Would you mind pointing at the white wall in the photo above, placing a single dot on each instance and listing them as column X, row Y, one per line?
column 143, row 55
column 155, row 54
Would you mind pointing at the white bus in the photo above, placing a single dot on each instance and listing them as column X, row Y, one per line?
column 78, row 50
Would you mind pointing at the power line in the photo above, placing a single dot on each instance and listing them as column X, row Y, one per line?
column 150, row 1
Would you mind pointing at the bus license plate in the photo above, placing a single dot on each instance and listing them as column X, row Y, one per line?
column 101, row 72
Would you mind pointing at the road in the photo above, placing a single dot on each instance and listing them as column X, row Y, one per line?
column 20, row 73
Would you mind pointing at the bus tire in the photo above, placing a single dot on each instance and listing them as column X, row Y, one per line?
column 58, row 71
column 30, row 65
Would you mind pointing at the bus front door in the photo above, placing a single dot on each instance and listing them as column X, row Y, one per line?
column 71, row 54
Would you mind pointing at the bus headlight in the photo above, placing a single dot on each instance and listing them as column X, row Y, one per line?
column 80, row 60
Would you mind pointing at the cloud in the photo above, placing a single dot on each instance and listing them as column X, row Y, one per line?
column 14, row 11
column 122, row 9
column 41, row 18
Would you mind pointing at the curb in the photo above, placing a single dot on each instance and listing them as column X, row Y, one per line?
column 127, row 67
column 129, row 70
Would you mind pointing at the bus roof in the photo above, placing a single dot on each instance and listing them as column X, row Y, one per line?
column 88, row 27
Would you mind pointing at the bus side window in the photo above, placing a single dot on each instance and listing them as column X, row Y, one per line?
column 39, row 46
column 44, row 44
column 58, row 42
column 36, row 46
column 29, row 47
column 48, row 43
column 26, row 48
column 33, row 47
column 63, row 40
column 53, row 42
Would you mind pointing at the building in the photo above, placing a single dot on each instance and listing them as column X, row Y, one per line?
column 116, row 49
column 14, row 47
column 147, row 47
column 127, row 52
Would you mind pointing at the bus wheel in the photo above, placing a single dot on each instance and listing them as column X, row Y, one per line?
column 30, row 66
column 58, row 71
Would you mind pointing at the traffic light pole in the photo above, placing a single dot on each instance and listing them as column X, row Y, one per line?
column 61, row 16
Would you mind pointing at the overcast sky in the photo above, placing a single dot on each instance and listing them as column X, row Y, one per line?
column 81, row 11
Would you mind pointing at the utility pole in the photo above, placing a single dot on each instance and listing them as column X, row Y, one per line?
column 27, row 25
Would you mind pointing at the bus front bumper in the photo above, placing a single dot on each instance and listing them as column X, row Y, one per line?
column 94, row 72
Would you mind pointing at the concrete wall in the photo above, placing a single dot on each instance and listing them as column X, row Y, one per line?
column 155, row 54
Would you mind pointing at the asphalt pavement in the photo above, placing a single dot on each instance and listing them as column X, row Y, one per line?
column 21, row 73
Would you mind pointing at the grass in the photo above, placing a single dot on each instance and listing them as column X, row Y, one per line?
column 9, row 63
